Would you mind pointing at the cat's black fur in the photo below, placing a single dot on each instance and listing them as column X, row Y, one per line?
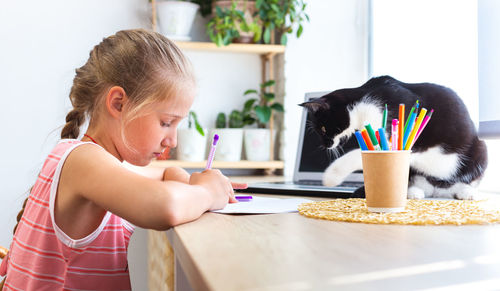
column 450, row 127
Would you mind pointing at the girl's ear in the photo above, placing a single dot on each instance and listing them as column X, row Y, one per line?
column 115, row 100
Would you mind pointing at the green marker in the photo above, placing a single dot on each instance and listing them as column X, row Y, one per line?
column 409, row 115
column 384, row 119
column 373, row 138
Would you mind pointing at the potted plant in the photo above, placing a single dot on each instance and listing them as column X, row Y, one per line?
column 176, row 18
column 281, row 17
column 191, row 141
column 259, row 111
column 230, row 136
column 232, row 21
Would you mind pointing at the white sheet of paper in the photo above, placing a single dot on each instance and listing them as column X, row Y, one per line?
column 263, row 205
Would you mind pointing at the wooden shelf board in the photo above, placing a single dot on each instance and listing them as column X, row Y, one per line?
column 220, row 164
column 234, row 47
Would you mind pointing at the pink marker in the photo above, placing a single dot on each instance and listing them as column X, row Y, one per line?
column 394, row 133
column 211, row 154
column 424, row 123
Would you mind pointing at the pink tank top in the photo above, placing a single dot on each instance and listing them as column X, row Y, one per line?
column 43, row 257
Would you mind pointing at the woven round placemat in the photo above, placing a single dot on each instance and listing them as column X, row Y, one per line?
column 420, row 212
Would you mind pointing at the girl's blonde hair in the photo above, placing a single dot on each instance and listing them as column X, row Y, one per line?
column 147, row 65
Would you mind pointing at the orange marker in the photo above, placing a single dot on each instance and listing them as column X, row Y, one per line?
column 401, row 128
column 368, row 142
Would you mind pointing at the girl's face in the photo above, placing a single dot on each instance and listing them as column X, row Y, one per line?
column 150, row 134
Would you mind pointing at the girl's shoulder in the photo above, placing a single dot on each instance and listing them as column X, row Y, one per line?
column 67, row 145
column 83, row 153
column 76, row 156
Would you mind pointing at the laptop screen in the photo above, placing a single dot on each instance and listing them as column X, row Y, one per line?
column 312, row 157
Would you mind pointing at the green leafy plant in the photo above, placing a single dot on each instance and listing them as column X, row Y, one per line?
column 281, row 16
column 261, row 108
column 193, row 118
column 220, row 121
column 235, row 120
column 222, row 27
column 227, row 23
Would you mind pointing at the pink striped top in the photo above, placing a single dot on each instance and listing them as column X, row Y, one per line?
column 43, row 257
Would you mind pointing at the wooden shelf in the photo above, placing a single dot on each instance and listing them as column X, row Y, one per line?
column 220, row 164
column 234, row 47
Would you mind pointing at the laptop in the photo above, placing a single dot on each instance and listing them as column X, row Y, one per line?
column 311, row 162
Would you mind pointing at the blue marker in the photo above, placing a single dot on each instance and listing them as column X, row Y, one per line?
column 409, row 124
column 408, row 129
column 361, row 141
column 383, row 139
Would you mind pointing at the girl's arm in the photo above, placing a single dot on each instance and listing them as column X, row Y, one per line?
column 92, row 181
column 159, row 173
column 170, row 174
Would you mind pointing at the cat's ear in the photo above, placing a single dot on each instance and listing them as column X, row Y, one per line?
column 314, row 105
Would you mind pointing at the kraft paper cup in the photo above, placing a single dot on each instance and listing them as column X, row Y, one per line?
column 386, row 179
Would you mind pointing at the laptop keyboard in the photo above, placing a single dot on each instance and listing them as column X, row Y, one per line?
column 319, row 183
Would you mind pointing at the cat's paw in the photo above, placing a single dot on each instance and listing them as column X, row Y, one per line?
column 332, row 177
column 467, row 193
column 415, row 193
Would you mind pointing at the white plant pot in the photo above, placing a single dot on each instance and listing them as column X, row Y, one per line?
column 191, row 145
column 257, row 144
column 229, row 145
column 175, row 18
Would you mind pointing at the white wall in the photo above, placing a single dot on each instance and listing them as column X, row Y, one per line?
column 426, row 41
column 42, row 42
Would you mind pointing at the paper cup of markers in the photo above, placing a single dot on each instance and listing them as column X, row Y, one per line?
column 386, row 179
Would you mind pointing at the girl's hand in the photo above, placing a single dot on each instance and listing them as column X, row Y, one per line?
column 237, row 185
column 217, row 185
column 176, row 174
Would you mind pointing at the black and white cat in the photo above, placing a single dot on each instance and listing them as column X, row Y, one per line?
column 448, row 160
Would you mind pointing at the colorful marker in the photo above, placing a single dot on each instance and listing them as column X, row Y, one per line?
column 409, row 126
column 373, row 138
column 400, row 128
column 395, row 123
column 384, row 118
column 424, row 123
column 367, row 140
column 411, row 111
column 383, row 139
column 360, row 140
column 242, row 198
column 421, row 116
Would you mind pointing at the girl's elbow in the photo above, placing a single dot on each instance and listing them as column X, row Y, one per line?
column 171, row 216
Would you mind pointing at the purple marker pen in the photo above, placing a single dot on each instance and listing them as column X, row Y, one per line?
column 242, row 198
column 212, row 152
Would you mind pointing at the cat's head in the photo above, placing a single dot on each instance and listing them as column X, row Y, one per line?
column 330, row 119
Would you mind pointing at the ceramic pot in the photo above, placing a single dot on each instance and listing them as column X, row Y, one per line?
column 175, row 18
column 229, row 145
column 257, row 144
column 191, row 145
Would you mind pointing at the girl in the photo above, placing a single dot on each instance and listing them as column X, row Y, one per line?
column 135, row 89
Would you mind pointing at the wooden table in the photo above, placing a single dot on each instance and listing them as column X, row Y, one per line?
column 293, row 252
